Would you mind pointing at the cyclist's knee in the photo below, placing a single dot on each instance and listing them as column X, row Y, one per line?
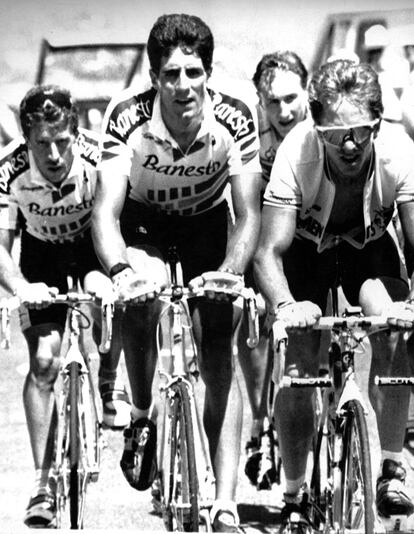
column 44, row 342
column 44, row 370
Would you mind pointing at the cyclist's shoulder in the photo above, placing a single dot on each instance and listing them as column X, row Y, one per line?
column 14, row 161
column 88, row 142
column 130, row 107
column 234, row 110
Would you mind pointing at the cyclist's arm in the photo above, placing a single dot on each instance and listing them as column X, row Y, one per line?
column 245, row 195
column 109, row 200
column 276, row 235
column 406, row 214
column 10, row 274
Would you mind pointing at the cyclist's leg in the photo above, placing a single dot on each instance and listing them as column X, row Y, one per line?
column 373, row 278
column 214, row 324
column 389, row 358
column 42, row 262
column 116, row 407
column 139, row 325
column 310, row 275
column 44, row 342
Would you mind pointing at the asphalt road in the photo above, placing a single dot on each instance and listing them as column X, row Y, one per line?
column 112, row 506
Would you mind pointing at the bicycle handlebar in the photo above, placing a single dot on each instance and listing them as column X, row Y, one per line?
column 8, row 304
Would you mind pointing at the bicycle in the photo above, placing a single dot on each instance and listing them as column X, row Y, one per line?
column 341, row 486
column 78, row 437
column 185, row 488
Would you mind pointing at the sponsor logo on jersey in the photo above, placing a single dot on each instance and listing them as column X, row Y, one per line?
column 89, row 149
column 233, row 114
column 152, row 163
column 129, row 115
column 60, row 211
column 12, row 166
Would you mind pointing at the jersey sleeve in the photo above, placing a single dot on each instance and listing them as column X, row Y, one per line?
column 283, row 191
column 8, row 212
column 115, row 153
column 240, row 120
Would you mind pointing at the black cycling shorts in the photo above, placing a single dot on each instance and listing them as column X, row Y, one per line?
column 311, row 274
column 51, row 263
column 200, row 240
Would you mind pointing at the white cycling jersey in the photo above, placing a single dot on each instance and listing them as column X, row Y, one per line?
column 299, row 181
column 50, row 213
column 137, row 144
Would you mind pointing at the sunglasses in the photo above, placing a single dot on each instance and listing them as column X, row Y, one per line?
column 36, row 102
column 337, row 135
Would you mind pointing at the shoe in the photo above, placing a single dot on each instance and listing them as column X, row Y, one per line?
column 294, row 520
column 41, row 510
column 260, row 466
column 224, row 517
column 139, row 459
column 392, row 498
column 116, row 407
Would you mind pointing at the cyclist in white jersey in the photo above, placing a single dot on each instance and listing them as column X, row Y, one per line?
column 47, row 189
column 331, row 196
column 167, row 158
column 280, row 80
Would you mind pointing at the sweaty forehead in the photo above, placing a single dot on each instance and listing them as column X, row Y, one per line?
column 343, row 111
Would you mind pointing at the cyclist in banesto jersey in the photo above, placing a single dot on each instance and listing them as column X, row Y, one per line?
column 47, row 190
column 167, row 158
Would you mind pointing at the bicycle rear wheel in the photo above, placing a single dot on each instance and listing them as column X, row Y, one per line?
column 353, row 505
column 181, row 482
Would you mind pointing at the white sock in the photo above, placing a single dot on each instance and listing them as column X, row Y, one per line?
column 149, row 413
column 42, row 478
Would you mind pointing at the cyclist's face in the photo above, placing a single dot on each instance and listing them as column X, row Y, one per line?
column 349, row 158
column 181, row 84
column 284, row 101
column 52, row 148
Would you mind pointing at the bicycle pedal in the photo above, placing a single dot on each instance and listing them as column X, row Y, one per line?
column 396, row 523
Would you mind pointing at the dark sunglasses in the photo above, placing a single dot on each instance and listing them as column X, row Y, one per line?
column 337, row 135
column 36, row 102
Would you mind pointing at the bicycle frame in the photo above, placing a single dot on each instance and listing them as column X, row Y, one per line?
column 87, row 425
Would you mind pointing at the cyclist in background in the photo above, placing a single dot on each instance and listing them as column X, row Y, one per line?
column 280, row 80
column 48, row 185
column 330, row 198
column 167, row 158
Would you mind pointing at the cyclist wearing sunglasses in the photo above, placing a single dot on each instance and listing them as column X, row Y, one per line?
column 48, row 188
column 331, row 196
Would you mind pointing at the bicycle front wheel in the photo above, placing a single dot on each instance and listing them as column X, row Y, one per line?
column 74, row 447
column 353, row 505
column 182, row 507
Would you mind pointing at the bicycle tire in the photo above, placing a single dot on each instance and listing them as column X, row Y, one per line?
column 182, row 507
column 320, row 489
column 62, row 460
column 355, row 509
column 74, row 446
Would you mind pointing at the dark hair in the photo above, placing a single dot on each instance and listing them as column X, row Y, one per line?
column 285, row 60
column 49, row 103
column 188, row 32
column 358, row 82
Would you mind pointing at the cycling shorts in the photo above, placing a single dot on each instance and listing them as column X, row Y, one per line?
column 200, row 240
column 51, row 263
column 311, row 274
